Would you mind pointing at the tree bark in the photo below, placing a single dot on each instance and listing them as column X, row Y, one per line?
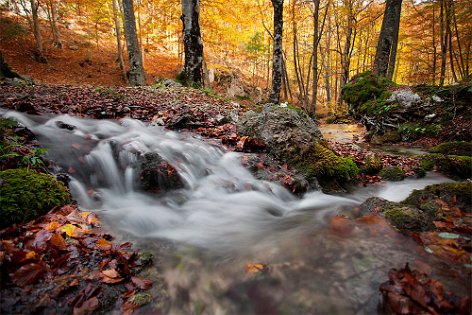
column 443, row 37
column 316, row 11
column 388, row 38
column 6, row 71
column 136, row 69
column 119, row 47
column 193, row 46
column 37, row 32
column 53, row 21
column 277, row 67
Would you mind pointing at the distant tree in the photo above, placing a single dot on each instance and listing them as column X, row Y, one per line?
column 136, row 69
column 277, row 64
column 119, row 46
column 52, row 15
column 385, row 56
column 193, row 46
column 34, row 22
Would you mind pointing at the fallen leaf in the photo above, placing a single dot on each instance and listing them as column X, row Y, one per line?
column 58, row 241
column 141, row 283
column 72, row 230
column 27, row 274
column 256, row 267
column 88, row 307
column 103, row 244
column 40, row 240
column 111, row 273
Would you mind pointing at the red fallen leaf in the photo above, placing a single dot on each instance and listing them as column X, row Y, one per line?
column 88, row 307
column 40, row 240
column 111, row 280
column 141, row 283
column 27, row 274
column 58, row 242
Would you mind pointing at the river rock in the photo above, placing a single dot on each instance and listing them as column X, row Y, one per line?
column 401, row 216
column 286, row 132
column 157, row 175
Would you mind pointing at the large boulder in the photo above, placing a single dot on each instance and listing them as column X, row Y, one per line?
column 286, row 132
column 291, row 136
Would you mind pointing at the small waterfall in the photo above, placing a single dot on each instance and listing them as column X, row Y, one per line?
column 220, row 206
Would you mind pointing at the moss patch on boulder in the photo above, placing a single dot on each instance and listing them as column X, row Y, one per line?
column 25, row 194
column 459, row 193
column 462, row 148
column 455, row 166
column 407, row 218
column 392, row 174
column 331, row 170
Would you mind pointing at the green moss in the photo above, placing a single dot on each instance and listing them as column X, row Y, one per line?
column 406, row 218
column 459, row 193
column 388, row 137
column 427, row 161
column 392, row 173
column 25, row 194
column 462, row 148
column 327, row 167
column 141, row 298
column 451, row 165
column 364, row 87
column 372, row 166
column 413, row 131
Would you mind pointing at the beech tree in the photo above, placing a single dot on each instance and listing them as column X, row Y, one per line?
column 277, row 64
column 385, row 56
column 136, row 69
column 193, row 46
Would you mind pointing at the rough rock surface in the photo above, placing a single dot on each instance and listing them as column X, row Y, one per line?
column 155, row 174
column 286, row 132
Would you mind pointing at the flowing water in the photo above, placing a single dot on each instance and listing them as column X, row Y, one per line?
column 223, row 218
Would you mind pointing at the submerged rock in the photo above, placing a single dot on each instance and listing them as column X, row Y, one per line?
column 155, row 174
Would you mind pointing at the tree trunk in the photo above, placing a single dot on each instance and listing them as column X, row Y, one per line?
column 136, row 70
column 193, row 46
column 443, row 36
column 121, row 62
column 316, row 11
column 5, row 70
column 37, row 32
column 388, row 37
column 345, row 57
column 277, row 66
column 53, row 21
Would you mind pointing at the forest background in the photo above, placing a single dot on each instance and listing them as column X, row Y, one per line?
column 434, row 41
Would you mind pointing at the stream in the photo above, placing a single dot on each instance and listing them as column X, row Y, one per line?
column 204, row 234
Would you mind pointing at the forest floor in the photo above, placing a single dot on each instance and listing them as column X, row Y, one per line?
column 81, row 61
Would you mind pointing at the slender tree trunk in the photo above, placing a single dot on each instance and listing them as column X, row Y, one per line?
column 316, row 11
column 388, row 38
column 136, row 69
column 193, row 46
column 461, row 57
column 345, row 57
column 119, row 47
column 435, row 47
column 443, row 35
column 328, row 64
column 449, row 36
column 37, row 32
column 277, row 66
column 53, row 21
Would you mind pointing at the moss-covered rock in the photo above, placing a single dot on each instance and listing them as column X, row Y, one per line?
column 458, row 193
column 462, row 148
column 402, row 216
column 331, row 170
column 364, row 87
column 372, row 165
column 25, row 194
column 392, row 173
column 407, row 218
column 388, row 137
column 454, row 166
column 414, row 131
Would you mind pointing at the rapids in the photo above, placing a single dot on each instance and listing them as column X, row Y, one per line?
column 224, row 218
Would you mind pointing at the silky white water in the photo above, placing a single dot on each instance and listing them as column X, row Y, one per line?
column 226, row 213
